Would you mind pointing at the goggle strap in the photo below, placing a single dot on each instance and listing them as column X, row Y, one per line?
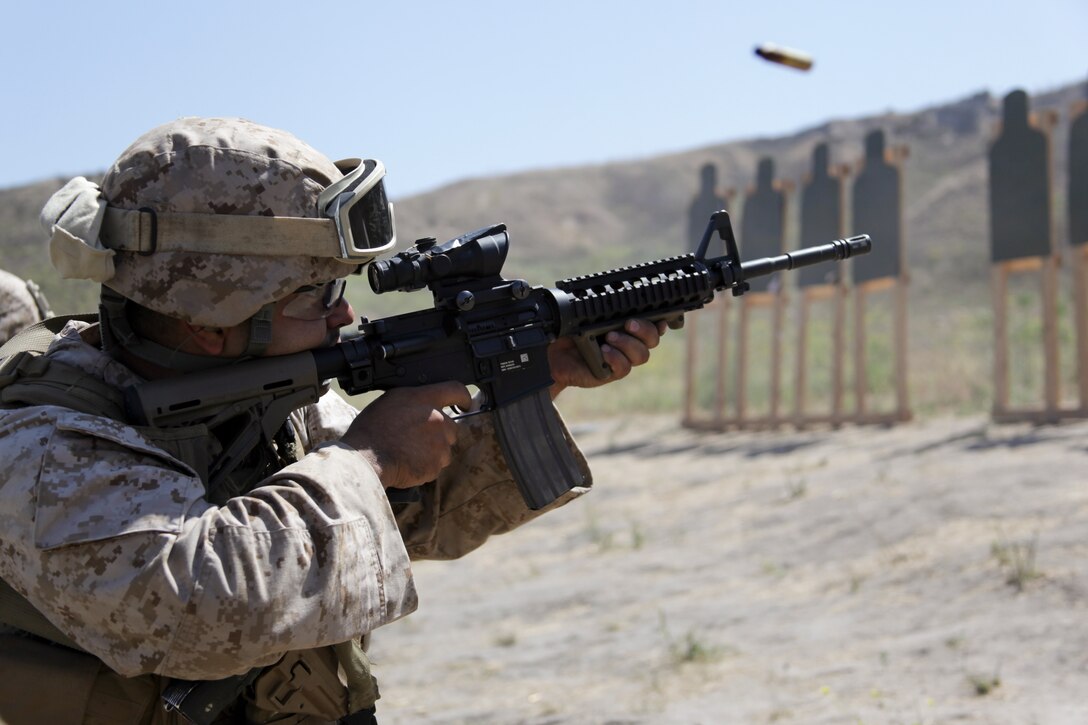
column 147, row 232
column 337, row 221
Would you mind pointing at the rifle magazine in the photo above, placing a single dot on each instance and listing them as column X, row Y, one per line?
column 536, row 450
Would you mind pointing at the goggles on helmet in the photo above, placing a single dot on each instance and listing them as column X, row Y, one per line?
column 315, row 302
column 358, row 205
column 356, row 225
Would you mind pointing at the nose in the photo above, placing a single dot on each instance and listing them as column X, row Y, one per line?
column 342, row 314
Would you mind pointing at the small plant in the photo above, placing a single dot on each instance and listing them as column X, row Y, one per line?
column 983, row 685
column 795, row 489
column 508, row 639
column 774, row 569
column 1017, row 558
column 690, row 649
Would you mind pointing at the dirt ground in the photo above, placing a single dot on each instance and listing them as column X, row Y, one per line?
column 933, row 572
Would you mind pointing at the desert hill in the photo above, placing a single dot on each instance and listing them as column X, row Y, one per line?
column 565, row 220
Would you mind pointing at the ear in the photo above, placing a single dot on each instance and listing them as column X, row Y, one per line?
column 210, row 340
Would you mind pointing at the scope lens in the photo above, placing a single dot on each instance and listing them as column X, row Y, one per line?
column 374, row 274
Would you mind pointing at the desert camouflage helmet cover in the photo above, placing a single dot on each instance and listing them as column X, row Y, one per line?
column 21, row 305
column 218, row 166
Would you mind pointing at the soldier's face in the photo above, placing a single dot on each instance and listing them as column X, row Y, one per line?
column 290, row 335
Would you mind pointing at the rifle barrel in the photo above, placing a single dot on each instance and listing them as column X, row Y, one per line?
column 833, row 251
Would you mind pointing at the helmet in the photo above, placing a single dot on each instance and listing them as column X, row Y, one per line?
column 218, row 166
column 21, row 305
column 211, row 221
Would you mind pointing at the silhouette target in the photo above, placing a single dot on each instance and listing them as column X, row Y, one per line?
column 705, row 203
column 821, row 217
column 763, row 225
column 1019, row 186
column 877, row 213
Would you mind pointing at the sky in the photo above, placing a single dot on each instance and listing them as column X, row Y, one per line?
column 443, row 91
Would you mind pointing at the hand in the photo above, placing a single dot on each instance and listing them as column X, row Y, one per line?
column 405, row 435
column 621, row 351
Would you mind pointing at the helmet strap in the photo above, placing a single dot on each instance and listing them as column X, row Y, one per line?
column 260, row 331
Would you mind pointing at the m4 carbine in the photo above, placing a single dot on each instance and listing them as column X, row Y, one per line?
column 483, row 331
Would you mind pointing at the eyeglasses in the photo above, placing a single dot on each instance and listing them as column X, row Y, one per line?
column 359, row 206
column 316, row 302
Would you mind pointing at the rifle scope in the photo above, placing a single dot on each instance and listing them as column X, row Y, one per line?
column 474, row 255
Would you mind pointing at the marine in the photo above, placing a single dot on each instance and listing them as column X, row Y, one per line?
column 131, row 576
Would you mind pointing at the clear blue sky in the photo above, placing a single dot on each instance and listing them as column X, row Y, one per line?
column 442, row 91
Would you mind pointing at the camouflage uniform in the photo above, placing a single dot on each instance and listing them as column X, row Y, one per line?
column 113, row 540
column 21, row 305
column 111, row 537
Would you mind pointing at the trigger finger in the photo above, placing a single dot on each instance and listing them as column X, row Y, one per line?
column 450, row 429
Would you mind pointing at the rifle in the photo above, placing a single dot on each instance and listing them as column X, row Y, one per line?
column 483, row 330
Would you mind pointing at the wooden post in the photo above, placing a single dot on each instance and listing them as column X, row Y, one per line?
column 837, row 295
column 722, row 368
column 776, row 301
column 801, row 377
column 776, row 358
column 718, row 419
column 861, row 376
column 1050, row 335
column 897, row 288
column 839, row 342
column 1051, row 409
column 1000, row 279
column 902, row 394
column 740, row 401
column 692, row 351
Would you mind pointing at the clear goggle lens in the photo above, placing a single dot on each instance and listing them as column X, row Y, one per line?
column 361, row 210
column 316, row 302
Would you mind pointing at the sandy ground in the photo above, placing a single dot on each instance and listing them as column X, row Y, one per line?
column 935, row 572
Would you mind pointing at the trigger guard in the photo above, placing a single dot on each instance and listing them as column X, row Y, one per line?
column 479, row 405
